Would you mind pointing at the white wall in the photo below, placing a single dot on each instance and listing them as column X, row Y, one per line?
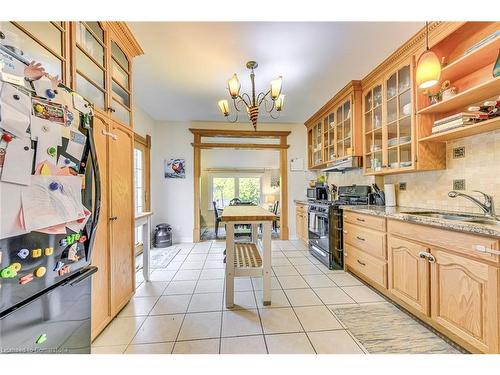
column 143, row 123
column 172, row 199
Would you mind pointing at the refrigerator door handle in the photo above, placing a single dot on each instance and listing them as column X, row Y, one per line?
column 88, row 272
column 97, row 190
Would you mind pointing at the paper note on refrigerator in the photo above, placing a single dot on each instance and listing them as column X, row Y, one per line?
column 18, row 161
column 76, row 144
column 11, row 223
column 14, row 110
column 52, row 200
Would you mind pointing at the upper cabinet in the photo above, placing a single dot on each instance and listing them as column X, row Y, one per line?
column 44, row 42
column 103, row 53
column 389, row 121
column 334, row 132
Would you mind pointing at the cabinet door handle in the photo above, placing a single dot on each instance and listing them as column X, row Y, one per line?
column 360, row 262
column 360, row 238
column 109, row 134
column 359, row 219
column 111, row 109
column 113, row 218
column 431, row 258
column 423, row 255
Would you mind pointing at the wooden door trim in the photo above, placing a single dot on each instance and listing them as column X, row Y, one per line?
column 282, row 147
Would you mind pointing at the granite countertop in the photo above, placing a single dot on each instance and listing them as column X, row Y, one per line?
column 398, row 213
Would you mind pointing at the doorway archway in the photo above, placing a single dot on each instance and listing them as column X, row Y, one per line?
column 277, row 141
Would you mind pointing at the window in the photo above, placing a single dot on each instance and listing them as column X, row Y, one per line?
column 142, row 148
column 223, row 189
column 138, row 180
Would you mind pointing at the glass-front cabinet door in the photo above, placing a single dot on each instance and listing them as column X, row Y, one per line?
column 329, row 125
column 373, row 134
column 120, row 85
column 90, row 63
column 344, row 129
column 398, row 118
column 317, row 144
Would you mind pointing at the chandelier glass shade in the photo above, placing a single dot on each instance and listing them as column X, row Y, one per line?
column 251, row 103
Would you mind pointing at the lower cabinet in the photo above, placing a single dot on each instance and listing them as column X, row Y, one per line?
column 113, row 252
column 457, row 292
column 301, row 222
column 465, row 299
column 437, row 274
column 409, row 273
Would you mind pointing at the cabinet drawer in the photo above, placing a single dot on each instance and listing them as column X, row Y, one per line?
column 455, row 241
column 369, row 221
column 368, row 240
column 366, row 265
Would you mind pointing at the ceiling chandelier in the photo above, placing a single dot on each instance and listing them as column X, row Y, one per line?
column 251, row 103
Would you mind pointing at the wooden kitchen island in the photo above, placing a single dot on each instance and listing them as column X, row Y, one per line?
column 248, row 259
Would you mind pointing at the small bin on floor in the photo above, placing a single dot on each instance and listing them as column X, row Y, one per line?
column 162, row 236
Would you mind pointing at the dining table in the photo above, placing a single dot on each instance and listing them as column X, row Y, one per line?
column 249, row 258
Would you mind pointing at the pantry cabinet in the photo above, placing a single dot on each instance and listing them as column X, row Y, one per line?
column 334, row 131
column 121, row 219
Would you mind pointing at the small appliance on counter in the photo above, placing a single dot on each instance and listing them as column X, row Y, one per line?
column 319, row 193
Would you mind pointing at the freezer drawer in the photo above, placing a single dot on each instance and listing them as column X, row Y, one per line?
column 57, row 321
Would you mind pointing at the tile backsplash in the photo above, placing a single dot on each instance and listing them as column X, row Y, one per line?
column 479, row 167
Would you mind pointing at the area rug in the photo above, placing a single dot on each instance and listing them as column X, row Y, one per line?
column 383, row 328
column 160, row 258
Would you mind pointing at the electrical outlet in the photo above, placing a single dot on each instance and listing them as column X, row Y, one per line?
column 458, row 184
column 402, row 186
column 459, row 152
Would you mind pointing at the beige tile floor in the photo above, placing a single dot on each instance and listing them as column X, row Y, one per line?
column 182, row 309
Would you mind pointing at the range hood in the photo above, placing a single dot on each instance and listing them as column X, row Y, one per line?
column 344, row 164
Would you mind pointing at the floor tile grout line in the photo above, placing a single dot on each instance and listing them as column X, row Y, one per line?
column 190, row 299
column 168, row 283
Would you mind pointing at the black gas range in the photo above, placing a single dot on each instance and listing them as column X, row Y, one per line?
column 325, row 224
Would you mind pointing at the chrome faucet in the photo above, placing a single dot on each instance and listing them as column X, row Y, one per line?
column 487, row 207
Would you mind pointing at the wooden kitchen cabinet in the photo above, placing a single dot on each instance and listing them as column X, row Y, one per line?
column 465, row 299
column 301, row 222
column 121, row 181
column 453, row 287
column 101, row 288
column 409, row 273
column 102, row 66
column 334, row 131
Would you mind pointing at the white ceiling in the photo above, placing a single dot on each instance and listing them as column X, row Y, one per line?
column 186, row 65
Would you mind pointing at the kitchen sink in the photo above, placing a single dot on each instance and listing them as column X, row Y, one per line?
column 455, row 216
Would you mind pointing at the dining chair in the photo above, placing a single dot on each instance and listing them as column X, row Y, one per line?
column 217, row 219
column 275, row 211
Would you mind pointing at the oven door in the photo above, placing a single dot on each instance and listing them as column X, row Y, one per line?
column 319, row 230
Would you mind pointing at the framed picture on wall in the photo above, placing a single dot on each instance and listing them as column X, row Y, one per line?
column 175, row 168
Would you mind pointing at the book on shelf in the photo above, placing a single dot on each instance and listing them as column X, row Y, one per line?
column 456, row 117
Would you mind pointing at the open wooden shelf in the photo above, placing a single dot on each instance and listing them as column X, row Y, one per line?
column 473, row 61
column 466, row 98
column 465, row 131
